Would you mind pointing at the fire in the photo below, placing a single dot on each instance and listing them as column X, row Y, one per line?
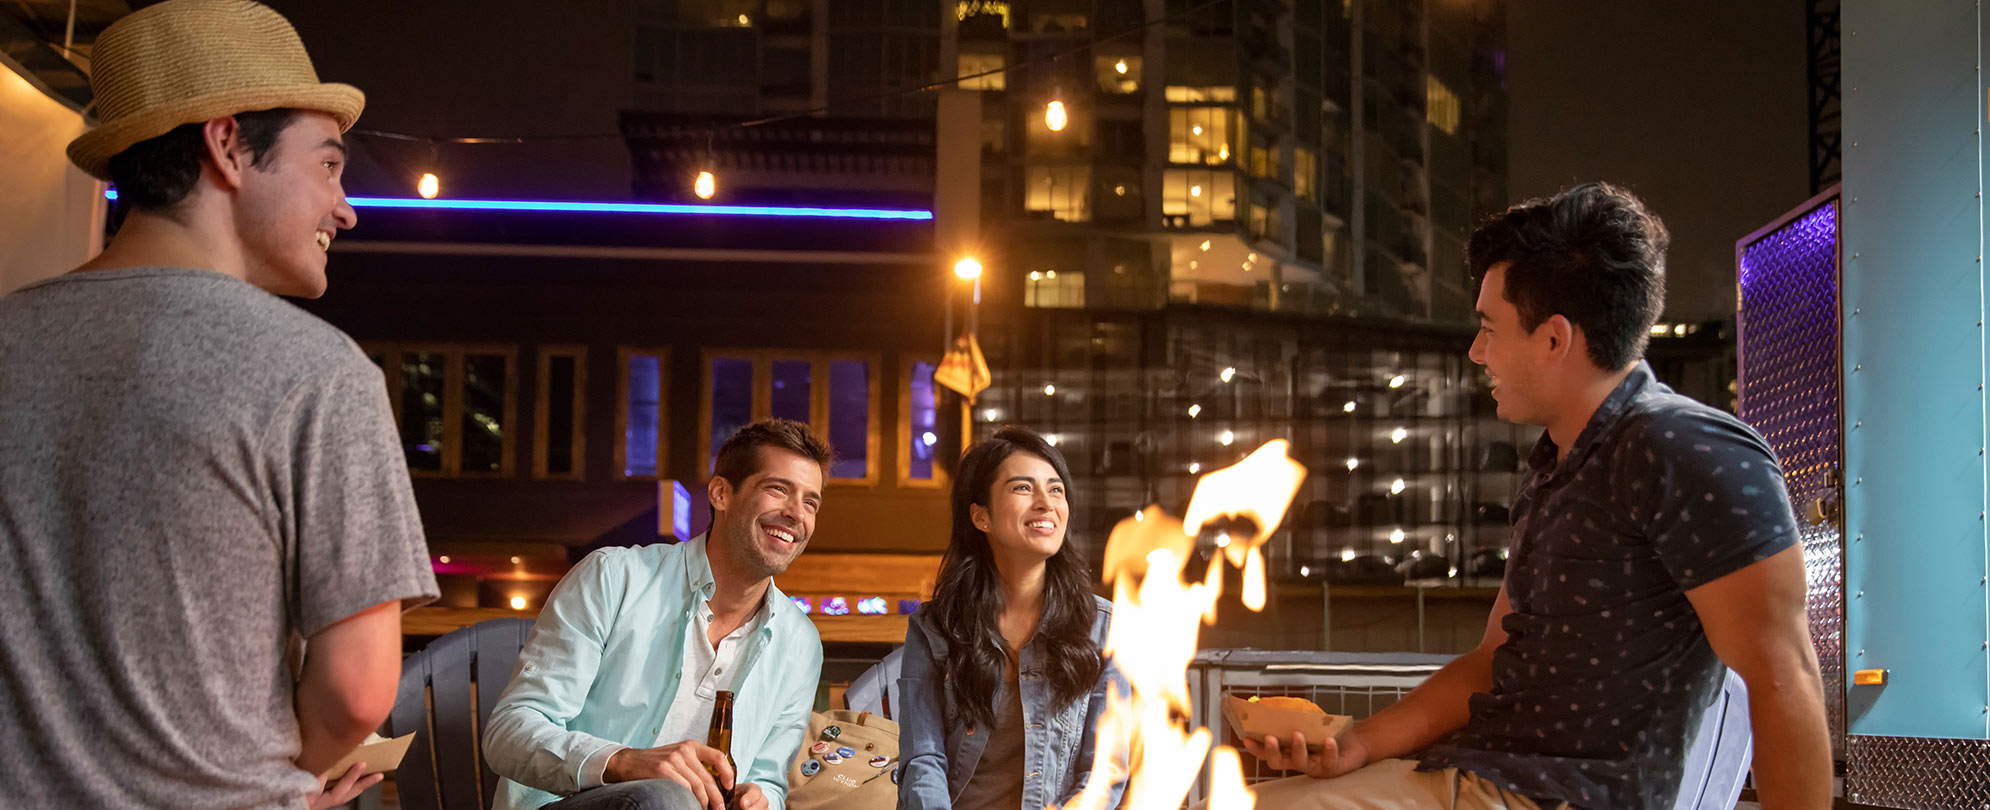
column 1157, row 619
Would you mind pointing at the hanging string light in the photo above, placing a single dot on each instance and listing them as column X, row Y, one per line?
column 429, row 186
column 706, row 184
column 1054, row 116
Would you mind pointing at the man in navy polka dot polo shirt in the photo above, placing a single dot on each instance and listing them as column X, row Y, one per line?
column 1653, row 547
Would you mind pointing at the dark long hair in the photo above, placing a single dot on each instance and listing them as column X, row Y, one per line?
column 967, row 601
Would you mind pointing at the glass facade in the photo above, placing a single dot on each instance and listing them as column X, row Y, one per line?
column 1409, row 473
column 1349, row 144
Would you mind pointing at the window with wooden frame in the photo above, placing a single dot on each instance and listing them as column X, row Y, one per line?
column 642, row 413
column 919, row 424
column 834, row 393
column 559, row 414
column 455, row 406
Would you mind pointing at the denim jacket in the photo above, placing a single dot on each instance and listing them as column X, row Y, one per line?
column 939, row 754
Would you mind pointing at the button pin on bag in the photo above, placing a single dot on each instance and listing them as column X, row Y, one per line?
column 880, row 761
column 811, row 768
column 846, row 752
column 895, row 773
column 819, row 749
column 832, row 732
column 832, row 758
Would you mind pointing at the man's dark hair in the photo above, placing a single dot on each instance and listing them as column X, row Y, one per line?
column 157, row 174
column 739, row 457
column 1592, row 254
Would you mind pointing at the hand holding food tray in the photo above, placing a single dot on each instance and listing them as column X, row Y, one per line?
column 376, row 753
column 1256, row 718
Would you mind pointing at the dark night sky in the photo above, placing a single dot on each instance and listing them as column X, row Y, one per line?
column 1697, row 105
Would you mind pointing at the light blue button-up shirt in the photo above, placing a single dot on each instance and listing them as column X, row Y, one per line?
column 606, row 657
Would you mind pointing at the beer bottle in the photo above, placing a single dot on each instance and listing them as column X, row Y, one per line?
column 719, row 736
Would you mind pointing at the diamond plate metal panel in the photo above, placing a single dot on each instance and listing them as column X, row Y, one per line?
column 1789, row 391
column 1918, row 773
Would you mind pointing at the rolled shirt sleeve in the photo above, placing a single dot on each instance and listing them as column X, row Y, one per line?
column 527, row 738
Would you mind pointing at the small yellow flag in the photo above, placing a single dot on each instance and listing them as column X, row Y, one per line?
column 963, row 369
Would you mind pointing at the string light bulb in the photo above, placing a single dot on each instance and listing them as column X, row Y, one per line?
column 1120, row 67
column 1054, row 116
column 429, row 186
column 706, row 185
column 1229, row 373
column 518, row 603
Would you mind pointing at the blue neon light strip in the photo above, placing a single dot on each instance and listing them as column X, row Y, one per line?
column 630, row 208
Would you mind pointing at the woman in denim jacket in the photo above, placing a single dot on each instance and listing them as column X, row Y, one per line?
column 1002, row 680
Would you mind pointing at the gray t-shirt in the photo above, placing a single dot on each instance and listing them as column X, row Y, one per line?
column 191, row 471
column 997, row 783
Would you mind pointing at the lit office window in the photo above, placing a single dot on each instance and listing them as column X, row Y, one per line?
column 1195, row 197
column 973, row 64
column 1201, row 135
column 1062, row 193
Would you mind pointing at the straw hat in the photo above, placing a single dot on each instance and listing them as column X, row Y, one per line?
column 187, row 61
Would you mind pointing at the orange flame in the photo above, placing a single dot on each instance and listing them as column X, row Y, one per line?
column 1157, row 619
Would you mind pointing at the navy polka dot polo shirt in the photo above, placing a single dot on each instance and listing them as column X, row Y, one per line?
column 1606, row 670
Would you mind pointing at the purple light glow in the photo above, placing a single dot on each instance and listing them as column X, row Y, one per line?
column 582, row 207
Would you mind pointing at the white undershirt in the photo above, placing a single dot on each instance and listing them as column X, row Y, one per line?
column 708, row 671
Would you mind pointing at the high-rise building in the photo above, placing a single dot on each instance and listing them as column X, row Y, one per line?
column 1213, row 224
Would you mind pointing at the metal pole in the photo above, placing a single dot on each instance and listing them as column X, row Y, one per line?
column 1420, row 647
column 1326, row 617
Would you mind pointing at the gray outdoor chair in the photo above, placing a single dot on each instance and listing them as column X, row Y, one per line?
column 447, row 693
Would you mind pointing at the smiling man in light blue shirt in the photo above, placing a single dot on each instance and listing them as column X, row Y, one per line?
column 614, row 690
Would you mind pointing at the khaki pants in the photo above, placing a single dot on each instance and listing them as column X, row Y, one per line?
column 1391, row 784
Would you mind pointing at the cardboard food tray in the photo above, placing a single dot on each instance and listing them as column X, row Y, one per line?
column 1257, row 721
column 384, row 755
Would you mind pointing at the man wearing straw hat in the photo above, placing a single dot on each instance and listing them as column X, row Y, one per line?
column 195, row 474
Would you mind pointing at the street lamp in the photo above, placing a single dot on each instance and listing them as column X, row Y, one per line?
column 967, row 269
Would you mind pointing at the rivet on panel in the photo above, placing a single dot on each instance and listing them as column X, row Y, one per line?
column 1862, row 595
column 1858, row 481
column 1857, row 366
column 1857, row 425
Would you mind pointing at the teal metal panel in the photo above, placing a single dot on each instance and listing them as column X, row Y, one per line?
column 1914, row 364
